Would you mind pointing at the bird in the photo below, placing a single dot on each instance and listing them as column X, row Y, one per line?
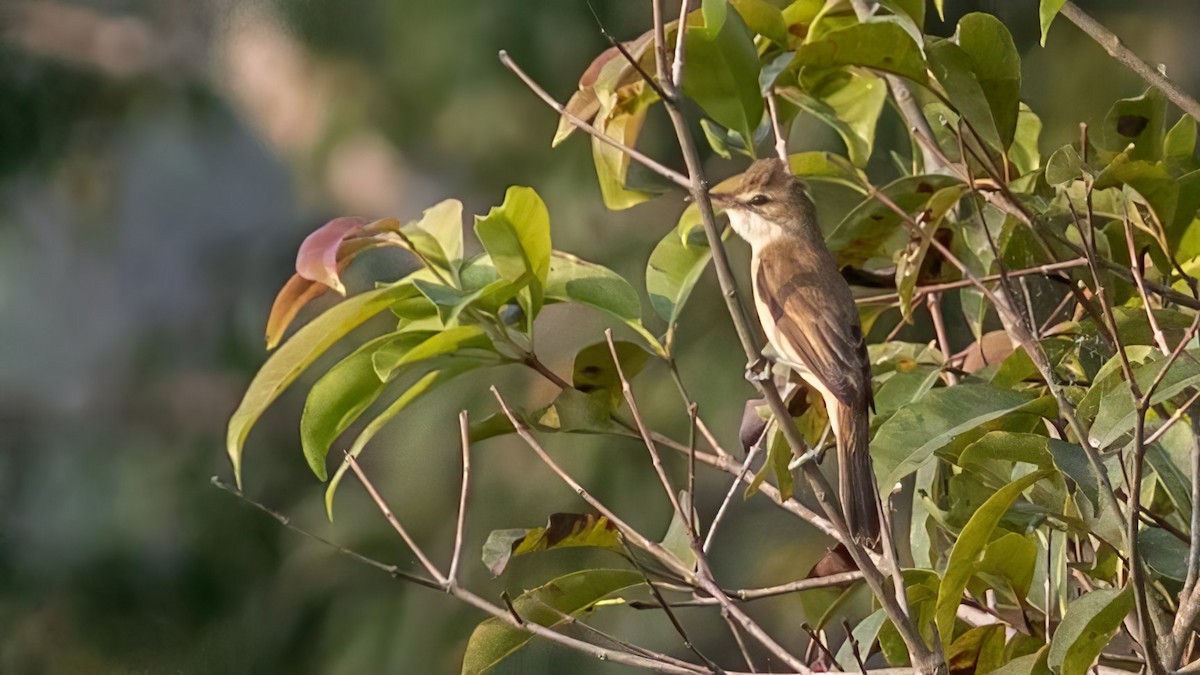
column 808, row 314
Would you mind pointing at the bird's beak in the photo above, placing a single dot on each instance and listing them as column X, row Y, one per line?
column 721, row 199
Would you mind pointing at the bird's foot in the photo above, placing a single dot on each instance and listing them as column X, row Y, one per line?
column 758, row 370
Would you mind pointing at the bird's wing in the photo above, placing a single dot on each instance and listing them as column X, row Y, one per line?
column 814, row 315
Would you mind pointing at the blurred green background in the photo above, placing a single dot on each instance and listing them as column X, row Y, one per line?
column 160, row 162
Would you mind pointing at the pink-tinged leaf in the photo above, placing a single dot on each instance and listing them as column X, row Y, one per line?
column 299, row 291
column 294, row 295
column 317, row 259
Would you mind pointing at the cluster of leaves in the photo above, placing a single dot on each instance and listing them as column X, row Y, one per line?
column 1008, row 507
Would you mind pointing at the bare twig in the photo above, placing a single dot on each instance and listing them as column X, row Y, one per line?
column 395, row 522
column 464, row 426
column 654, row 548
column 737, row 481
column 658, row 663
column 390, row 570
column 1116, row 49
column 656, row 167
column 922, row 291
column 655, row 458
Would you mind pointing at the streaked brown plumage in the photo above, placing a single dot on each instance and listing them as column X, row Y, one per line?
column 808, row 314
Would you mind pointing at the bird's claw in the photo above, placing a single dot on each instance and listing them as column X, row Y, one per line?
column 758, row 370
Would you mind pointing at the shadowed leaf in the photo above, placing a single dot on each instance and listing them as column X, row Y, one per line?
column 495, row 640
column 564, row 530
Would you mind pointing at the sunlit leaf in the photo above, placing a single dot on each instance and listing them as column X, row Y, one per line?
column 671, row 273
column 1139, row 121
column 1011, row 557
column 1117, row 414
column 343, row 393
column 912, row 435
column 285, row 365
column 912, row 258
column 1047, row 10
column 576, row 412
column 850, row 103
column 965, row 557
column 1149, row 179
column 872, row 228
column 722, row 72
column 294, row 295
column 1179, row 146
column 979, row 650
column 564, row 530
column 763, row 18
column 495, row 640
column 1085, row 631
column 594, row 369
column 1029, row 664
column 997, row 66
column 879, row 45
column 583, row 283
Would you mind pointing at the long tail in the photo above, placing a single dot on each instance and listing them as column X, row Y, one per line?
column 856, row 477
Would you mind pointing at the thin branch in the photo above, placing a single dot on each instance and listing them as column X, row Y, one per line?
column 670, row 174
column 285, row 521
column 666, row 608
column 464, row 427
column 1166, row 425
column 921, row 291
column 658, row 663
column 667, row 559
column 394, row 521
column 1116, row 49
column 655, row 458
column 737, row 481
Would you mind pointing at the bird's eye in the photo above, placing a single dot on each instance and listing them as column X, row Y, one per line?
column 759, row 200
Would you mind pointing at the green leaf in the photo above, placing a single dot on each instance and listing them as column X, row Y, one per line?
column 872, row 229
column 516, row 235
column 677, row 541
column 997, row 65
column 1024, row 151
column 763, row 18
column 722, row 77
column 965, row 556
column 461, row 341
column 343, row 393
column 583, row 283
column 445, row 371
column 914, row 433
column 1179, row 146
column 1139, row 121
column 879, row 45
column 1149, row 179
column 864, row 635
column 671, row 273
column 908, row 267
column 576, row 412
column 979, row 650
column 1164, row 553
column 495, row 640
column 826, row 166
column 912, row 9
column 1064, row 166
column 1011, row 557
column 1117, row 414
column 621, row 119
column 564, row 530
column 1047, row 10
column 848, row 102
column 1085, row 631
column 954, row 70
column 594, row 369
column 1030, row 664
column 443, row 224
column 297, row 354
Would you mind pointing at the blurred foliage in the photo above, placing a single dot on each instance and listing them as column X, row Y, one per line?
column 152, row 171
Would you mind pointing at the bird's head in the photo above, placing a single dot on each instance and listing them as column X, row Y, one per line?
column 768, row 202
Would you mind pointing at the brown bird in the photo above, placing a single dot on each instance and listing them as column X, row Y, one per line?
column 808, row 314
